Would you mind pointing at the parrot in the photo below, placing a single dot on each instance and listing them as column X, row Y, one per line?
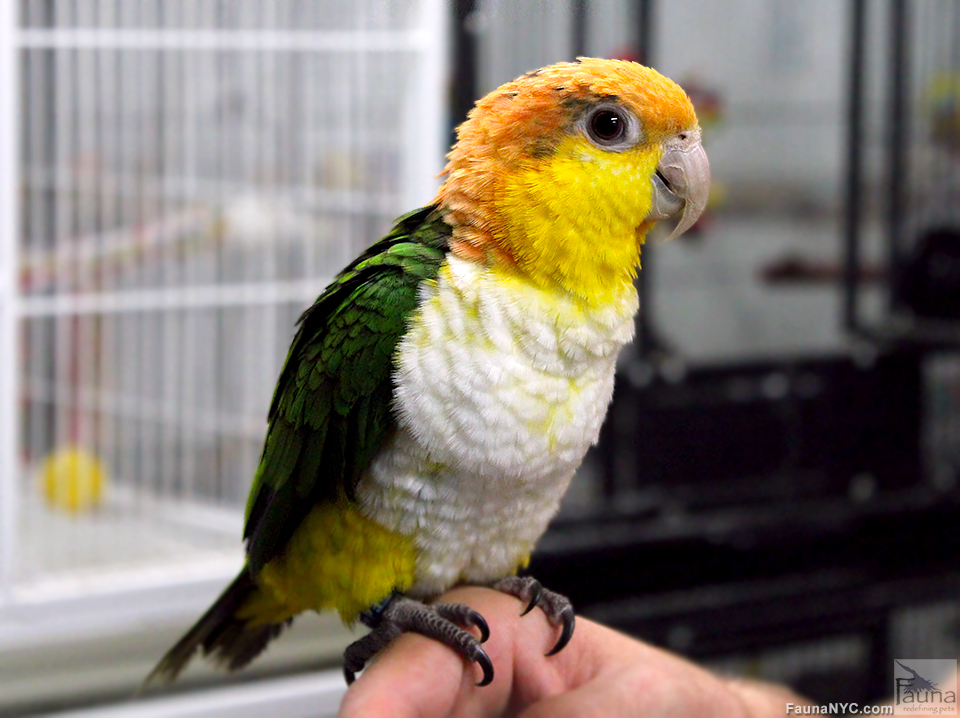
column 440, row 394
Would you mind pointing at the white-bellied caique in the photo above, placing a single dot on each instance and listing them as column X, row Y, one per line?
column 441, row 392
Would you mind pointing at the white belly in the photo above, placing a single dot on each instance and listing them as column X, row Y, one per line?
column 500, row 391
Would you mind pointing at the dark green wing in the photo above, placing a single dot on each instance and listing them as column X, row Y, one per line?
column 332, row 407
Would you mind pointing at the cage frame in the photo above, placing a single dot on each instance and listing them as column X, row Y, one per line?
column 896, row 327
column 62, row 610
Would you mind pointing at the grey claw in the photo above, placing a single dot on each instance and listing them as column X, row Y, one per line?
column 442, row 622
column 465, row 643
column 463, row 615
column 557, row 608
column 566, row 634
column 480, row 623
column 536, row 591
column 483, row 660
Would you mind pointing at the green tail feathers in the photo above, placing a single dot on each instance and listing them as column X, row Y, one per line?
column 219, row 635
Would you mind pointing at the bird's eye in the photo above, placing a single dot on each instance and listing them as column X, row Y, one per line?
column 611, row 127
column 607, row 126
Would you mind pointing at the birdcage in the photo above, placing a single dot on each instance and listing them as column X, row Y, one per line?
column 179, row 179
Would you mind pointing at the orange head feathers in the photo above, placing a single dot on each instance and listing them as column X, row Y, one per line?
column 558, row 174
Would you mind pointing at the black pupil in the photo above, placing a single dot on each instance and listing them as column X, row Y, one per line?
column 607, row 125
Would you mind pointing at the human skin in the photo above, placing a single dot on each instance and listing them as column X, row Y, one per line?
column 600, row 673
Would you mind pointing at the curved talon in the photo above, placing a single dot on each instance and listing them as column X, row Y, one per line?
column 536, row 591
column 463, row 615
column 483, row 660
column 569, row 619
column 349, row 675
column 557, row 607
column 480, row 623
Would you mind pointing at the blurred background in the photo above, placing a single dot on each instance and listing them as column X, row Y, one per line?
column 775, row 493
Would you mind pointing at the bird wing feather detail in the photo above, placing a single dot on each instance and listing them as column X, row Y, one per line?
column 332, row 408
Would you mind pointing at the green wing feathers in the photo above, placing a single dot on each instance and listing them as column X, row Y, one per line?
column 331, row 410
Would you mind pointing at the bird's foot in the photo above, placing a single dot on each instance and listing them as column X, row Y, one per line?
column 441, row 621
column 558, row 609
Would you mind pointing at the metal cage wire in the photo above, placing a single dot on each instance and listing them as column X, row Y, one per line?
column 186, row 178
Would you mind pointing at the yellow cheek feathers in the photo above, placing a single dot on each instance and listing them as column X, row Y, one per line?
column 528, row 194
column 572, row 222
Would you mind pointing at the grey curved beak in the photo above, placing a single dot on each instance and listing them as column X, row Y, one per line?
column 682, row 181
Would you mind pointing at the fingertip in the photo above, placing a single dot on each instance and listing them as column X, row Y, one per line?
column 414, row 677
column 759, row 698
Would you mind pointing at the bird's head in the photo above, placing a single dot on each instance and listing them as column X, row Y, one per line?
column 558, row 175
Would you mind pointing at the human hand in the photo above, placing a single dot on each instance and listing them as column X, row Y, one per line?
column 600, row 673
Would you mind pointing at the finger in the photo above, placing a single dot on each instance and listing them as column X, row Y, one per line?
column 516, row 646
column 628, row 693
column 415, row 677
column 765, row 699
column 665, row 686
column 608, row 696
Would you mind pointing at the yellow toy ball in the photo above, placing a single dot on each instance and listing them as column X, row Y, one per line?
column 944, row 94
column 73, row 480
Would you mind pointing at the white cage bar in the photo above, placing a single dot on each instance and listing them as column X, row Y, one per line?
column 9, row 467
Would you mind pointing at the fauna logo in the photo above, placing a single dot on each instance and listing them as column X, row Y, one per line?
column 924, row 686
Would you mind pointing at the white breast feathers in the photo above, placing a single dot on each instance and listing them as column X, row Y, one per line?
column 500, row 390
